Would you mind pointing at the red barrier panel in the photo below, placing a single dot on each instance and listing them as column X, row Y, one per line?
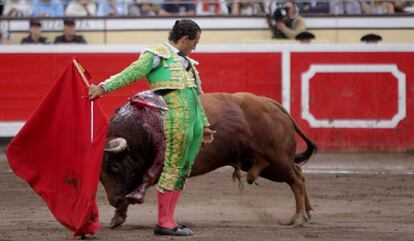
column 355, row 101
column 25, row 78
column 345, row 98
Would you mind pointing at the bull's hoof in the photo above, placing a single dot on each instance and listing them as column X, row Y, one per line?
column 309, row 216
column 135, row 198
column 296, row 221
column 116, row 221
column 250, row 179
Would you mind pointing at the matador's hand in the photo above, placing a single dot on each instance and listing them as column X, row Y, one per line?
column 95, row 91
column 208, row 135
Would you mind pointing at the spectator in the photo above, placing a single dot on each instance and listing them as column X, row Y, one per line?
column 81, row 8
column 377, row 7
column 17, row 8
column 47, row 8
column 112, row 8
column 69, row 34
column 4, row 36
column 1, row 7
column 288, row 22
column 409, row 9
column 401, row 6
column 243, row 7
column 371, row 38
column 212, row 7
column 35, row 31
column 340, row 7
column 174, row 7
column 157, row 5
column 142, row 8
column 305, row 37
column 314, row 7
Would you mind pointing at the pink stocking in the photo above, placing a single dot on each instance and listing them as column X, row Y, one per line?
column 173, row 204
column 164, row 203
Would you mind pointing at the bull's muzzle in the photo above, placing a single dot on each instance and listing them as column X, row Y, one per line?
column 116, row 145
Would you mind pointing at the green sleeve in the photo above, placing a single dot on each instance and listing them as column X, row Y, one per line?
column 204, row 117
column 205, row 120
column 137, row 70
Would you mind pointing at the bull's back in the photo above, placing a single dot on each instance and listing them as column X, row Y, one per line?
column 246, row 124
column 273, row 128
column 259, row 118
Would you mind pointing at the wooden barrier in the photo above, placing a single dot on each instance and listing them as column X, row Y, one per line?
column 356, row 97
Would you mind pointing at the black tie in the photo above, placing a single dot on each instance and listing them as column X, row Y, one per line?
column 188, row 61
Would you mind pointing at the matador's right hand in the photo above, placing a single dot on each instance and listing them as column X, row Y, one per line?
column 208, row 135
column 95, row 91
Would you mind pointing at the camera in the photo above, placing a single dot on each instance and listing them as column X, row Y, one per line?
column 280, row 14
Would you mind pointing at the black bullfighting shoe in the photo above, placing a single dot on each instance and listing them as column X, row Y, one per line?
column 184, row 227
column 177, row 231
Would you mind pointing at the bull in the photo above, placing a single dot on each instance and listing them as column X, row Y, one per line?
column 258, row 133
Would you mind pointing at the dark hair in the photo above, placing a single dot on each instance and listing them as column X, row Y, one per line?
column 35, row 23
column 69, row 22
column 184, row 27
column 371, row 37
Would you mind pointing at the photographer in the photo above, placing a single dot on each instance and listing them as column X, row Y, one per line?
column 285, row 22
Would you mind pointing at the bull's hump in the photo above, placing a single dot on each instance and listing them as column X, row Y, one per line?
column 151, row 97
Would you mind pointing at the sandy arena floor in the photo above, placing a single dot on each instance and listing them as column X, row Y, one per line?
column 355, row 196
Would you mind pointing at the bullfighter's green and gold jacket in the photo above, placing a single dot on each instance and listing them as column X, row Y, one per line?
column 169, row 73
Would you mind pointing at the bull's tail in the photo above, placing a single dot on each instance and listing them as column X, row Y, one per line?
column 303, row 157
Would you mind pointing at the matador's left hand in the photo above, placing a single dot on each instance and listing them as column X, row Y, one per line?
column 208, row 135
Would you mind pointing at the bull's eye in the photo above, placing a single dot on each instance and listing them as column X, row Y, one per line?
column 116, row 167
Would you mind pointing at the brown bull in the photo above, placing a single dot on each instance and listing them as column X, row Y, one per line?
column 259, row 138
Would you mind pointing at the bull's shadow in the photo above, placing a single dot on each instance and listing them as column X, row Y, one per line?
column 254, row 134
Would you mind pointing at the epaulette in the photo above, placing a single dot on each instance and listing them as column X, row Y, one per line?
column 159, row 50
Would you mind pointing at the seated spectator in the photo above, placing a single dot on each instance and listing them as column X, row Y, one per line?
column 69, row 34
column 401, row 6
column 35, row 31
column 17, row 8
column 341, row 7
column 249, row 8
column 157, row 5
column 286, row 22
column 108, row 8
column 314, row 7
column 4, row 37
column 212, row 7
column 1, row 7
column 305, row 37
column 142, row 8
column 81, row 8
column 371, row 38
column 409, row 9
column 47, row 8
column 377, row 7
column 175, row 7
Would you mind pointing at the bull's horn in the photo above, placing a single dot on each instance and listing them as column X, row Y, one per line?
column 116, row 145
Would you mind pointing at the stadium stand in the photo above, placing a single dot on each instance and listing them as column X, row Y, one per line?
column 136, row 22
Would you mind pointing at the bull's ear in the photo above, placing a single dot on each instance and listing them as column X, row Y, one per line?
column 116, row 145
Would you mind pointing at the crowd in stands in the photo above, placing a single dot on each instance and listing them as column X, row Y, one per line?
column 284, row 17
column 81, row 8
